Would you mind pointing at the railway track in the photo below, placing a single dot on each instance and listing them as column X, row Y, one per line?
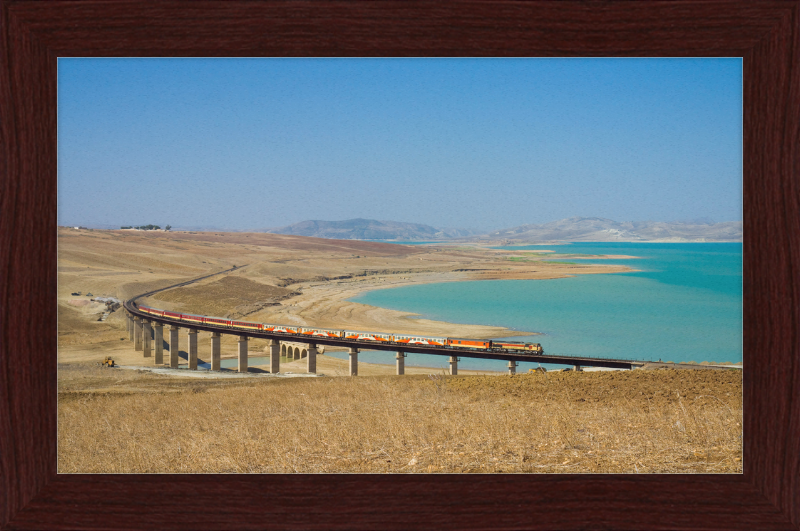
column 132, row 308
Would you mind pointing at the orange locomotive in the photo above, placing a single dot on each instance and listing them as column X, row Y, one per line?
column 515, row 345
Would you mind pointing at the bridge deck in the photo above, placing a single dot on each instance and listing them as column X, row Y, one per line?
column 395, row 347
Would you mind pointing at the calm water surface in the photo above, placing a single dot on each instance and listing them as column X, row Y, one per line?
column 685, row 304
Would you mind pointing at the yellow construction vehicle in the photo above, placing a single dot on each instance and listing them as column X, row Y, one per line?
column 107, row 362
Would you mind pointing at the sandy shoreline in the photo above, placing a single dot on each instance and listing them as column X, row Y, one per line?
column 327, row 304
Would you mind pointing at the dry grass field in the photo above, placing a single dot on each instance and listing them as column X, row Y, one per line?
column 128, row 420
column 618, row 422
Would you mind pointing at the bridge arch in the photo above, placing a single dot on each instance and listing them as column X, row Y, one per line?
column 297, row 350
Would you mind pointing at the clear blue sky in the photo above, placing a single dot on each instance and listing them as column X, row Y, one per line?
column 473, row 143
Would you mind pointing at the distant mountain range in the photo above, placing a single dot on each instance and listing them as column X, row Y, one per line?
column 606, row 230
column 571, row 229
column 370, row 229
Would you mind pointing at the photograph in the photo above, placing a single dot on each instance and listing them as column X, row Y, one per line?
column 400, row 265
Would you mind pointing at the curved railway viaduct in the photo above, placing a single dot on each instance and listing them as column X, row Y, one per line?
column 147, row 333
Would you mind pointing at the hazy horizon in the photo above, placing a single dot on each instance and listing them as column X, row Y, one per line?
column 114, row 226
column 480, row 144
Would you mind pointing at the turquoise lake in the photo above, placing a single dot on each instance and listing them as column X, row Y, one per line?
column 684, row 304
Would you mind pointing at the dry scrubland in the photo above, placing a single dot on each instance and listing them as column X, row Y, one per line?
column 640, row 421
column 117, row 420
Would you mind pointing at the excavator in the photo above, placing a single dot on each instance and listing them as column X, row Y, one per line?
column 107, row 362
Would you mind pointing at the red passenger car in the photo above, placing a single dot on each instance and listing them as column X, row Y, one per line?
column 216, row 321
column 246, row 325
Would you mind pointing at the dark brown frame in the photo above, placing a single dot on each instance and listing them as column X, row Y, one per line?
column 765, row 33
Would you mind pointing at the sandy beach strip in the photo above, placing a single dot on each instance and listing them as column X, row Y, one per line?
column 328, row 304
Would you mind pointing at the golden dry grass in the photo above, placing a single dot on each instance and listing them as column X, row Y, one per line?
column 229, row 296
column 400, row 424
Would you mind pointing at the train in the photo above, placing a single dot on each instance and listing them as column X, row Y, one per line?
column 301, row 332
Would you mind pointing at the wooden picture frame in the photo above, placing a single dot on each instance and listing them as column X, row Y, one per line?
column 35, row 33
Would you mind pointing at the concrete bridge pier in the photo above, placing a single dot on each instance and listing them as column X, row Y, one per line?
column 146, row 335
column 577, row 368
column 274, row 348
column 174, row 348
column 137, row 333
column 401, row 363
column 512, row 367
column 192, row 350
column 242, row 353
column 453, row 365
column 353, row 362
column 215, row 351
column 158, row 330
column 311, row 359
column 130, row 326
